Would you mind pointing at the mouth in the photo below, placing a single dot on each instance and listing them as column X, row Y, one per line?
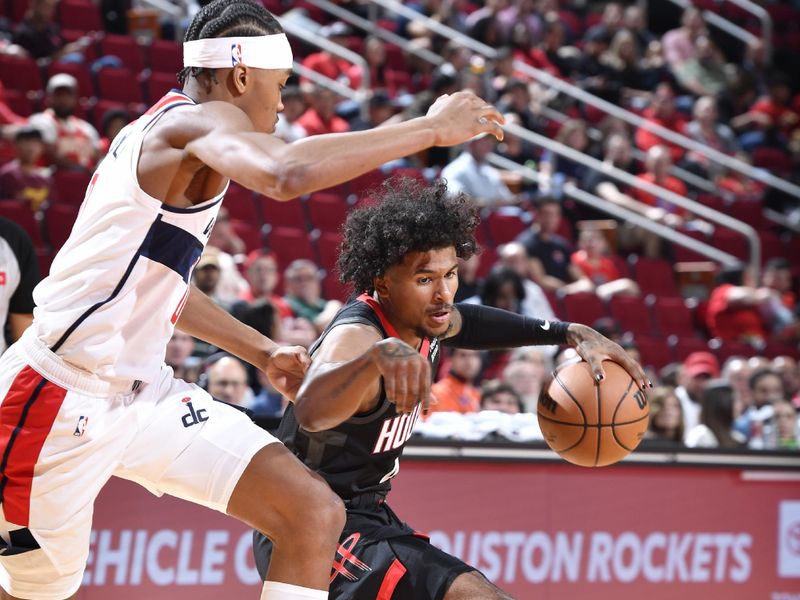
column 440, row 316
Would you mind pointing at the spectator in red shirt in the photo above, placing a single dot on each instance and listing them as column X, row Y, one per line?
column 770, row 117
column 326, row 63
column 593, row 261
column 321, row 116
column 23, row 178
column 456, row 392
column 662, row 112
column 546, row 55
column 737, row 311
column 657, row 168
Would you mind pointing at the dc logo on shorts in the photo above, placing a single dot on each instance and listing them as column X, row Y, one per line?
column 194, row 416
column 80, row 428
column 236, row 54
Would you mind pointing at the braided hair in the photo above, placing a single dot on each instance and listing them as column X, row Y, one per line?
column 221, row 18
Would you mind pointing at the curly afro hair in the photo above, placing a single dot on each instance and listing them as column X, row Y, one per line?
column 408, row 217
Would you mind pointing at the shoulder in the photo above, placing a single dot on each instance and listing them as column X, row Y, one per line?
column 192, row 121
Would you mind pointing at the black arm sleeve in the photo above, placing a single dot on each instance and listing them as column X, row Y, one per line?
column 21, row 301
column 488, row 328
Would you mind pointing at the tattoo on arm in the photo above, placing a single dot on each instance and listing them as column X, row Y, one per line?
column 397, row 351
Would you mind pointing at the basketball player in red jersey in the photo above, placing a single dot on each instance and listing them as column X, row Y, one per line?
column 85, row 392
column 371, row 374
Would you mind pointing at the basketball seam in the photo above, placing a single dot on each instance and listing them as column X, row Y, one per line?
column 557, row 422
column 614, row 417
column 599, row 422
column 580, row 408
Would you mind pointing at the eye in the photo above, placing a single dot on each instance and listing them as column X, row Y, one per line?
column 451, row 274
column 423, row 280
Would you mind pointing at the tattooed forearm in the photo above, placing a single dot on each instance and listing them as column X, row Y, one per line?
column 396, row 351
column 344, row 386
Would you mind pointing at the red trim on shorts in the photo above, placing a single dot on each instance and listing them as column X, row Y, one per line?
column 378, row 310
column 390, row 580
column 26, row 418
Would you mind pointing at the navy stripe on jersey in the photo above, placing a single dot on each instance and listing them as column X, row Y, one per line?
column 173, row 247
column 166, row 244
column 193, row 209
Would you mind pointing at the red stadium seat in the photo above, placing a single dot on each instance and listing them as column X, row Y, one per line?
column 45, row 259
column 289, row 244
column 631, row 313
column 655, row 351
column 70, row 187
column 731, row 242
column 58, row 220
column 750, row 212
column 166, row 57
column 119, row 85
column 326, row 211
column 157, row 85
column 328, row 250
column 333, row 290
column 20, row 102
column 241, row 205
column 684, row 346
column 18, row 9
column 282, row 214
column 408, row 173
column 249, row 234
column 504, row 228
column 683, row 254
column 82, row 15
column 583, row 308
column 673, row 317
column 726, row 349
column 369, row 181
column 555, row 303
column 771, row 246
column 488, row 258
column 20, row 73
column 655, row 276
column 22, row 215
column 101, row 108
column 126, row 48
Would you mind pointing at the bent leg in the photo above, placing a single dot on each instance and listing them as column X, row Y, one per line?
column 5, row 596
column 474, row 586
column 296, row 509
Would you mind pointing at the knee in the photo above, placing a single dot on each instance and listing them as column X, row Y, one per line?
column 320, row 513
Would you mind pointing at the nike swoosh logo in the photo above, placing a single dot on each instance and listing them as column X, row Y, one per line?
column 545, row 325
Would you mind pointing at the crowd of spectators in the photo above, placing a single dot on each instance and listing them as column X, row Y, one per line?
column 683, row 77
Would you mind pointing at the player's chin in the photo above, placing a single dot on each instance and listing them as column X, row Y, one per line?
column 435, row 327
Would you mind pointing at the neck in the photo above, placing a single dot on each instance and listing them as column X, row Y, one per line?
column 408, row 335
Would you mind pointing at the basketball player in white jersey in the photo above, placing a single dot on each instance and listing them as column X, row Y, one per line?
column 85, row 392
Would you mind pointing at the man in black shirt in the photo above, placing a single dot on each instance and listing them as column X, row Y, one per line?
column 370, row 378
column 19, row 274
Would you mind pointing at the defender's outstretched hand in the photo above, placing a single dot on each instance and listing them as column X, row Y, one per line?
column 286, row 369
column 406, row 374
column 594, row 348
column 461, row 116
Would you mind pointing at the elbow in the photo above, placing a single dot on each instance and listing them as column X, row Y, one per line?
column 306, row 417
column 285, row 181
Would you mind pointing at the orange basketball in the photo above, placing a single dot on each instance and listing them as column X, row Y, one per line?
column 588, row 424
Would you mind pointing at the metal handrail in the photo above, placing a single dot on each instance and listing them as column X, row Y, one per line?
column 766, row 22
column 373, row 29
column 609, row 108
column 623, row 213
column 721, row 23
column 300, row 26
column 700, row 209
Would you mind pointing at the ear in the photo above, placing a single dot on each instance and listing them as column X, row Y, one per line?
column 240, row 76
column 381, row 286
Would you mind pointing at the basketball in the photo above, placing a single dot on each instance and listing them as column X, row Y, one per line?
column 592, row 425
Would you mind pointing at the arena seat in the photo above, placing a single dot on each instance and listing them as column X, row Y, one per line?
column 70, row 187
column 673, row 317
column 290, row 243
column 655, row 276
column 282, row 214
column 326, row 211
column 241, row 204
column 583, row 308
column 631, row 313
column 58, row 222
column 19, row 212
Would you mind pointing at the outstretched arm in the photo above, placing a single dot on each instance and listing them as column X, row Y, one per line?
column 346, row 375
column 487, row 328
column 204, row 319
column 283, row 171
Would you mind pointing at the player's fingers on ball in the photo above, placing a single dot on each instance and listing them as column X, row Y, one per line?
column 596, row 364
column 401, row 384
column 389, row 385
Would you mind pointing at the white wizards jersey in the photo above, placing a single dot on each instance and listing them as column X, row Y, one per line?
column 117, row 286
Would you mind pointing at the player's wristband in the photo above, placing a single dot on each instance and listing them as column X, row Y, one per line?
column 489, row 328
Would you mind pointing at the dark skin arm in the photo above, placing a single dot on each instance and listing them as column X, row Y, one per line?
column 591, row 346
column 345, row 377
column 284, row 365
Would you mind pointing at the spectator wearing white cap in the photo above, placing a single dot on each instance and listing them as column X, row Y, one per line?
column 72, row 143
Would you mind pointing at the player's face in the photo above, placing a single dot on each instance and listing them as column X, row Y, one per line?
column 262, row 102
column 418, row 293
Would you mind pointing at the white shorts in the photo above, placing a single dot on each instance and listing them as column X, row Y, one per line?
column 59, row 446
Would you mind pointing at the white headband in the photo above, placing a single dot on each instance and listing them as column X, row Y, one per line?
column 262, row 52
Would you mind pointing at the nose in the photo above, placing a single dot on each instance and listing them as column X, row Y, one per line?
column 445, row 291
